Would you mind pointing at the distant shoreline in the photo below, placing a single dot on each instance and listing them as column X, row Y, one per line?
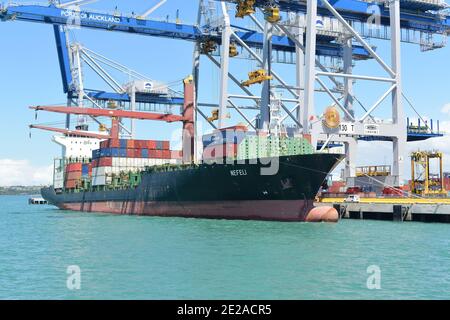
column 20, row 190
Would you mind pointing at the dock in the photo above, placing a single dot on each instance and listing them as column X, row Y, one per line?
column 392, row 209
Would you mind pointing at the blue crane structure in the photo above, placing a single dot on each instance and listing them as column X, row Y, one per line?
column 427, row 18
column 58, row 17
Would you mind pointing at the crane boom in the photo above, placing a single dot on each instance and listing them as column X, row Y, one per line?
column 95, row 112
column 78, row 133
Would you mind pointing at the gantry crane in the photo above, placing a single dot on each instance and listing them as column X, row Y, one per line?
column 423, row 180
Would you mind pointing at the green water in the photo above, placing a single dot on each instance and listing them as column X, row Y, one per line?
column 124, row 257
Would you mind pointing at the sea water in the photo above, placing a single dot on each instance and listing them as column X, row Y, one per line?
column 47, row 253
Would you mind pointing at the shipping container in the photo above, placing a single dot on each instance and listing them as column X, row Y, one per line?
column 73, row 175
column 72, row 184
column 176, row 154
column 166, row 154
column 123, row 143
column 123, row 152
column 130, row 144
column 105, row 162
column 151, row 144
column 96, row 154
column 86, row 169
column 72, row 167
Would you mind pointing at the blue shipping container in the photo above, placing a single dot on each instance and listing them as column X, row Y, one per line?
column 123, row 143
column 123, row 152
column 114, row 152
column 144, row 153
column 85, row 170
column 96, row 154
column 105, row 152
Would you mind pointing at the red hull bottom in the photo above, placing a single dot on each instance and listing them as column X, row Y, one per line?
column 275, row 210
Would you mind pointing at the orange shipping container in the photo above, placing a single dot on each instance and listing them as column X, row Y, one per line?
column 72, row 184
column 151, row 144
column 130, row 144
column 72, row 167
column 73, row 175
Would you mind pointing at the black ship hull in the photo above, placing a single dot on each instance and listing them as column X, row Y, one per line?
column 229, row 191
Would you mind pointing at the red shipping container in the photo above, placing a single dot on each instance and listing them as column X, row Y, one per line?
column 151, row 144
column 166, row 145
column 142, row 144
column 71, row 184
column 176, row 154
column 130, row 144
column 74, row 175
column 152, row 154
column 94, row 163
column 166, row 154
column 114, row 143
column 105, row 162
column 74, row 167
column 137, row 153
column 130, row 153
column 158, row 154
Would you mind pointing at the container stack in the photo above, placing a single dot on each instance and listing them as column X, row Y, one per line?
column 257, row 146
column 223, row 143
column 73, row 175
column 117, row 159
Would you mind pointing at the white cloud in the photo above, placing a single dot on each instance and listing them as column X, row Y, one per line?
column 446, row 109
column 22, row 172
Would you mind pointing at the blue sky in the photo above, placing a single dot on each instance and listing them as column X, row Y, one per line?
column 29, row 75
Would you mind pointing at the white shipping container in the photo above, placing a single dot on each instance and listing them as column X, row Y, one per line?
column 116, row 162
column 99, row 180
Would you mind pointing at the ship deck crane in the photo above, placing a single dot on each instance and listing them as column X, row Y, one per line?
column 187, row 118
column 75, row 133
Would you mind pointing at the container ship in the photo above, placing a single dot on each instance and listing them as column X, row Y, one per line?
column 241, row 174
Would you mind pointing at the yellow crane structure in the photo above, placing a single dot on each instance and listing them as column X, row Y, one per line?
column 258, row 76
column 215, row 116
column 373, row 171
column 272, row 14
column 245, row 8
column 233, row 50
column 208, row 46
column 422, row 181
